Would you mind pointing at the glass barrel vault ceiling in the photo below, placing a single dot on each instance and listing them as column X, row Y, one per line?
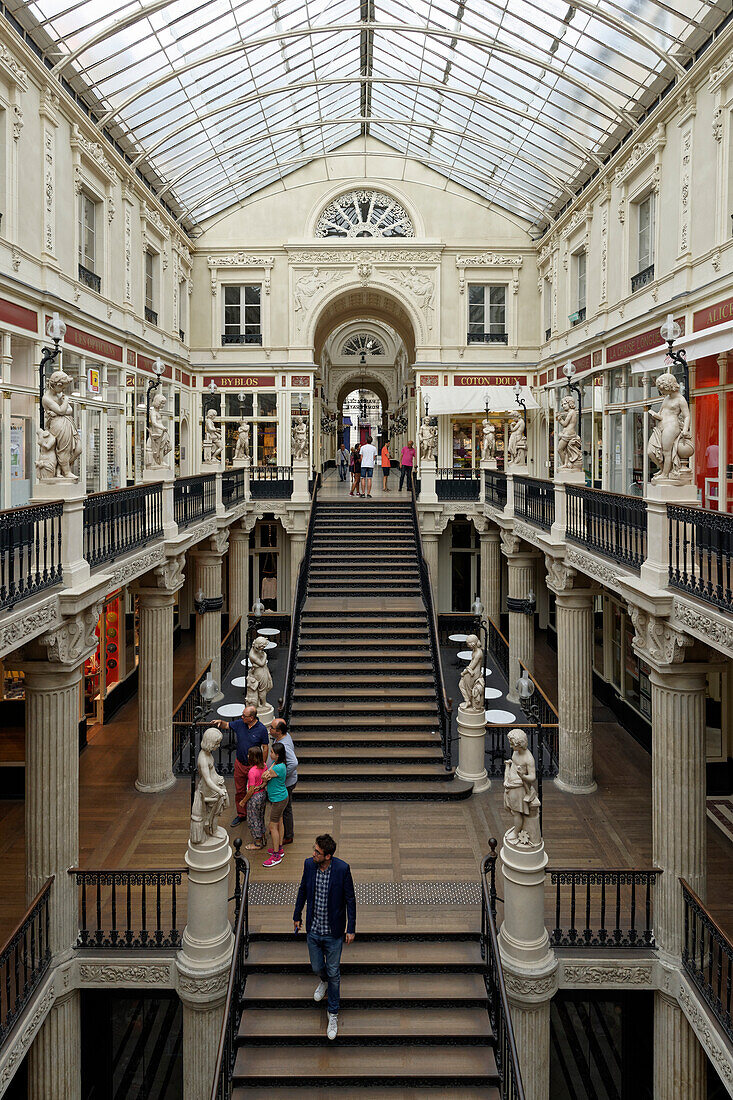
column 517, row 100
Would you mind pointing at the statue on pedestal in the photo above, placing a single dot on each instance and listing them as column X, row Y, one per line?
column 428, row 439
column 488, row 440
column 517, row 447
column 299, row 439
column 211, row 798
column 213, row 445
column 472, row 682
column 242, row 448
column 158, row 443
column 670, row 444
column 520, row 794
column 259, row 680
column 59, row 444
column 569, row 443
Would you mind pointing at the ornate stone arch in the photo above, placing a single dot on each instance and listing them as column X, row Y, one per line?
column 353, row 300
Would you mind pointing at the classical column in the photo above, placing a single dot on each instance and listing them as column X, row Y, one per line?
column 156, row 599
column 491, row 574
column 239, row 573
column 297, row 548
column 680, row 1066
column 520, row 574
column 208, row 559
column 574, row 608
column 54, row 1060
column 430, row 551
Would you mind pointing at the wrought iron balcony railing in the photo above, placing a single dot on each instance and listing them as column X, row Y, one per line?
column 534, row 500
column 495, row 483
column 487, row 338
column 89, row 279
column 457, row 484
column 121, row 520
column 151, row 316
column 241, row 338
column 194, row 498
column 603, row 908
column 611, row 524
column 701, row 553
column 30, row 551
column 642, row 278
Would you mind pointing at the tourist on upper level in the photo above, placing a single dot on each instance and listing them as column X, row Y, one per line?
column 248, row 731
column 386, row 466
column 328, row 889
column 368, row 458
column 407, row 459
column 356, row 470
column 279, row 734
column 277, row 796
column 342, row 460
column 255, row 800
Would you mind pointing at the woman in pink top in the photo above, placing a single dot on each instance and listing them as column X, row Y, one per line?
column 406, row 460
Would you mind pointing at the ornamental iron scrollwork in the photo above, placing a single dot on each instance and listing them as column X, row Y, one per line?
column 365, row 213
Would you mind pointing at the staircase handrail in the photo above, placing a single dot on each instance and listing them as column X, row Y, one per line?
column 301, row 589
column 445, row 703
column 505, row 1049
column 221, row 1088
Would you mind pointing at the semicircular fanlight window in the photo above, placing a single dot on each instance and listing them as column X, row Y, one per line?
column 365, row 214
column 362, row 341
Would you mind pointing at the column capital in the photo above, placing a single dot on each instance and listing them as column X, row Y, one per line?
column 67, row 645
column 490, row 533
column 201, row 990
column 531, row 988
column 241, row 530
column 166, row 578
column 656, row 640
column 215, row 545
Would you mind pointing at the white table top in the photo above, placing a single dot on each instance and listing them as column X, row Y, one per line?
column 268, row 631
column 465, row 655
column 271, row 645
column 457, row 637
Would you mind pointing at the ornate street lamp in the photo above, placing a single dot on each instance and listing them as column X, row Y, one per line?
column 56, row 329
column 671, row 331
column 569, row 372
column 521, row 402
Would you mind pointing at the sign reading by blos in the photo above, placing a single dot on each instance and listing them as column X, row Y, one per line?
column 241, row 381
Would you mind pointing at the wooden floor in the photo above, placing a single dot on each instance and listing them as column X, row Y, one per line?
column 382, row 841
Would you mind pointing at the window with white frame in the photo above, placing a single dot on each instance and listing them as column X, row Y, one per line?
column 547, row 306
column 645, row 228
column 151, row 296
column 580, row 273
column 486, row 314
column 87, row 213
column 242, row 314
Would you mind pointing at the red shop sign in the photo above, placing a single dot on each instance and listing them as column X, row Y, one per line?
column 713, row 315
column 645, row 341
column 489, row 379
column 77, row 338
column 19, row 316
column 241, row 381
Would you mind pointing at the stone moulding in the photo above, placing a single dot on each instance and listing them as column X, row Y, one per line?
column 717, row 1051
column 22, row 1037
column 587, row 564
column 712, row 630
column 606, row 974
column 28, row 624
column 365, row 255
column 146, row 973
column 489, row 259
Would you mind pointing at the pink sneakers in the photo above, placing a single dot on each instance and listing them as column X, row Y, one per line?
column 274, row 860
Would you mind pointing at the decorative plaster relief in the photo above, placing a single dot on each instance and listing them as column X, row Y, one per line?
column 612, row 974
column 528, row 987
column 240, row 259
column 366, row 255
column 715, row 1050
column 25, row 1038
column 509, row 542
column 216, row 984
column 75, row 638
column 123, row 974
column 307, row 287
column 17, row 73
column 152, row 217
column 529, row 534
column 27, row 626
column 715, row 632
column 640, row 151
column 560, row 575
column 126, row 572
column 656, row 640
column 721, row 73
column 587, row 564
column 93, row 152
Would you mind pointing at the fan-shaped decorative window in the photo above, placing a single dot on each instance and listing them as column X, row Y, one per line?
column 365, row 214
column 362, row 342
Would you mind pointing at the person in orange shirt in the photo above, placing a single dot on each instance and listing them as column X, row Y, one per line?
column 386, row 465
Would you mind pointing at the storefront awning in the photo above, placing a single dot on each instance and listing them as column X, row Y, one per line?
column 445, row 400
column 711, row 341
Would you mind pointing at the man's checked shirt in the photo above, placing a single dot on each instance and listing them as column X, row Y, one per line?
column 320, row 924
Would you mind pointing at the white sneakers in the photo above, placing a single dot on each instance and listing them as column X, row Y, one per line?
column 333, row 1026
column 321, row 990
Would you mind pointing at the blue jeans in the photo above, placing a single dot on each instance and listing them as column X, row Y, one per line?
column 342, row 471
column 325, row 956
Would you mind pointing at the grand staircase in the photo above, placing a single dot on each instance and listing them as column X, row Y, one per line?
column 364, row 711
column 413, row 1022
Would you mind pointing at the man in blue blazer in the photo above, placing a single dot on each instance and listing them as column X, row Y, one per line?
column 328, row 889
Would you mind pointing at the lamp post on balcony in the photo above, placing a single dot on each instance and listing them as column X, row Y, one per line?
column 671, row 331
column 521, row 402
column 153, row 385
column 56, row 329
column 569, row 372
column 478, row 610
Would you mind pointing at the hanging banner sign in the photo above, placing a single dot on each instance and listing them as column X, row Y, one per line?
column 713, row 315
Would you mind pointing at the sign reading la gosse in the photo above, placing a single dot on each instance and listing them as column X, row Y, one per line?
column 489, row 379
column 241, row 381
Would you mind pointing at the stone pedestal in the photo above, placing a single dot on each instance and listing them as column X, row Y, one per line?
column 575, row 690
column 518, row 468
column 655, row 569
column 562, row 478
column 680, row 1065
column 266, row 714
column 208, row 467
column 488, row 464
column 208, row 624
column 301, row 474
column 239, row 574
column 74, row 567
column 167, row 476
column 472, row 733
column 155, row 704
column 428, row 494
column 54, row 1060
column 246, row 465
column 520, row 575
column 491, row 573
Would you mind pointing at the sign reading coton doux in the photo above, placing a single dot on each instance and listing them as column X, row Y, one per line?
column 489, row 379
column 241, row 381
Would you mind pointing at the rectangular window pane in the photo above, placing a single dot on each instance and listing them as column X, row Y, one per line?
column 476, row 318
column 252, row 315
column 475, row 295
column 497, row 295
column 581, row 280
column 252, row 295
column 267, row 404
column 231, row 295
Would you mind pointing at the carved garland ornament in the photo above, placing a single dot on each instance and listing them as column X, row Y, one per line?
column 527, row 987
column 131, row 569
column 596, row 568
column 26, row 627
column 367, row 255
column 607, row 975
column 707, row 1036
column 120, row 973
column 69, row 642
column 714, row 632
column 27, row 1036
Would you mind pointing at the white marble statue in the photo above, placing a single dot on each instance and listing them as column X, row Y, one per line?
column 520, row 793
column 488, row 439
column 158, row 443
column 517, row 447
column 211, row 798
column 670, row 444
column 472, row 682
column 259, row 680
column 213, row 445
column 569, row 443
column 59, row 443
column 299, row 439
column 242, row 448
column 428, row 438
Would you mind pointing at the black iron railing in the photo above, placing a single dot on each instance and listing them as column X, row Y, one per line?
column 495, row 487
column 701, row 554
column 707, row 958
column 181, row 335
column 457, row 484
column 120, row 520
column 608, row 523
column 487, row 338
column 151, row 316
column 30, row 551
column 542, row 741
column 227, row 1051
column 534, row 500
column 301, row 592
column 445, row 705
column 603, row 908
column 505, row 1046
column 241, row 338
column 190, row 722
column 271, row 482
column 89, row 278
column 194, row 498
column 498, row 648
column 185, row 709
column 231, row 647
column 24, row 959
column 642, row 278
column 232, row 487
column 129, row 910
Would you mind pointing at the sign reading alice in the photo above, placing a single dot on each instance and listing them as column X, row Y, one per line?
column 241, row 381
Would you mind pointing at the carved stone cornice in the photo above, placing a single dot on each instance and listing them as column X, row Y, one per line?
column 367, row 254
column 109, row 973
column 717, row 1051
column 640, row 152
column 587, row 564
column 715, row 633
column 135, row 567
column 656, row 640
column 12, row 68
column 606, row 974
column 28, row 625
column 526, row 532
column 489, row 259
column 75, row 639
column 93, row 152
column 721, row 72
column 240, row 259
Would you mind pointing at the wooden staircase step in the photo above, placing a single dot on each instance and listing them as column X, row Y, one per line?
column 313, row 738
column 390, row 990
column 434, row 1025
column 349, row 693
column 316, row 1064
column 392, row 791
column 373, row 1091
column 352, row 754
column 355, row 773
column 382, row 722
column 372, row 955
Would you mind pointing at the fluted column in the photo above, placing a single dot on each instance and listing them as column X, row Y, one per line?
column 297, row 548
column 680, row 1066
column 520, row 575
column 202, row 1023
column 155, row 701
column 531, row 1023
column 54, row 1060
column 239, row 601
column 678, row 795
column 430, row 551
column 208, row 561
column 491, row 574
column 575, row 689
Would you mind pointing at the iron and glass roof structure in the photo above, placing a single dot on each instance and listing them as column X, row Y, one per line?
column 518, row 100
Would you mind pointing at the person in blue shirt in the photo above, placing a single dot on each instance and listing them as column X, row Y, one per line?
column 248, row 731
